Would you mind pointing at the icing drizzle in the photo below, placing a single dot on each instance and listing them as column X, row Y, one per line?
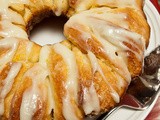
column 7, row 84
column 90, row 100
column 33, row 98
column 11, row 43
column 71, row 84
column 96, row 67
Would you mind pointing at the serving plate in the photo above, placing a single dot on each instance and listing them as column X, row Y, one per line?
column 153, row 19
column 52, row 33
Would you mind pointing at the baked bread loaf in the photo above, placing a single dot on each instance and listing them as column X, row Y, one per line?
column 86, row 74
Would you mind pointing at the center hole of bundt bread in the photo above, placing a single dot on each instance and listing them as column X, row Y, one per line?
column 48, row 31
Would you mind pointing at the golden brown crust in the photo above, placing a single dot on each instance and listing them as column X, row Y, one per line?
column 77, row 6
column 17, row 100
column 140, row 26
column 10, row 97
column 136, row 23
column 58, row 72
column 22, row 55
column 85, row 73
column 86, row 78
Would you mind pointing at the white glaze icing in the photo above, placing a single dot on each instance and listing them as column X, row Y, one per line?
column 120, row 81
column 68, row 110
column 7, row 84
column 43, row 59
column 44, row 55
column 112, row 37
column 71, row 84
column 33, row 94
column 90, row 100
column 117, row 3
column 11, row 43
column 119, row 19
column 29, row 104
column 28, row 50
column 61, row 6
column 96, row 67
column 9, row 14
column 110, row 51
column 102, row 13
column 83, row 5
column 10, row 30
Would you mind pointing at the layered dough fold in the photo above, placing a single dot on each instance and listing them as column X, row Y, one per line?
column 116, row 35
column 85, row 75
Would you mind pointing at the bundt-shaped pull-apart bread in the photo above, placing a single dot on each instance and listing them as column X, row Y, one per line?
column 85, row 75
